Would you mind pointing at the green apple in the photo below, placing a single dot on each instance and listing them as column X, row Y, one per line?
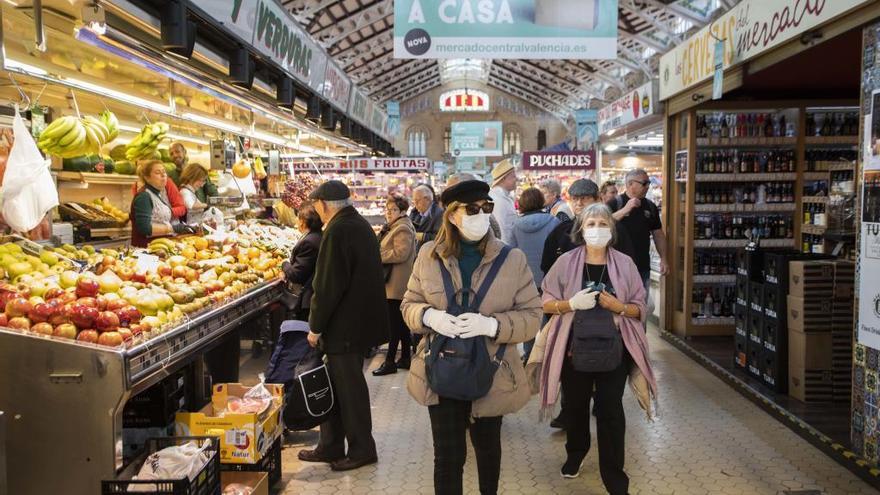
column 68, row 279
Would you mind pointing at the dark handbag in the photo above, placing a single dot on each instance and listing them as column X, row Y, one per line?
column 291, row 294
column 458, row 368
column 596, row 345
column 311, row 398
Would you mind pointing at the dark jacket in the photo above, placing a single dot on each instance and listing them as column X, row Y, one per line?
column 430, row 225
column 301, row 267
column 559, row 242
column 348, row 306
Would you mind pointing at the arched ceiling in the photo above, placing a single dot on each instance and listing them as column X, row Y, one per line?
column 358, row 34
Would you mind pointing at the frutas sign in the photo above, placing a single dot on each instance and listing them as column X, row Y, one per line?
column 631, row 107
column 559, row 160
column 365, row 165
column 750, row 28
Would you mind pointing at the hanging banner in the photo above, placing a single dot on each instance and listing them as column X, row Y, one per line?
column 750, row 28
column 393, row 109
column 869, row 254
column 272, row 31
column 336, row 87
column 364, row 165
column 631, row 107
column 476, row 139
column 524, row 29
column 559, row 160
column 587, row 125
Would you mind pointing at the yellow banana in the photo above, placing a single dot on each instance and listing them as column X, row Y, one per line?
column 58, row 128
column 76, row 133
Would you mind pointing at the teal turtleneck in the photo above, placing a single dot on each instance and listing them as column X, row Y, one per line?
column 468, row 261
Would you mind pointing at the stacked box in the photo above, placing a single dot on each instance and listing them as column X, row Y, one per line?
column 842, row 329
column 811, row 279
column 810, row 373
column 741, row 336
column 755, row 344
column 841, row 365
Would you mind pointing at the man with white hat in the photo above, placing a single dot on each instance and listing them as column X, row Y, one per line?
column 504, row 183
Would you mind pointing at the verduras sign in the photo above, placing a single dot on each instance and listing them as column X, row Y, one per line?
column 559, row 160
column 750, row 28
column 365, row 165
column 631, row 107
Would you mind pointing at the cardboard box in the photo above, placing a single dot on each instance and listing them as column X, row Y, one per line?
column 810, row 377
column 808, row 315
column 808, row 279
column 257, row 480
column 810, row 385
column 244, row 438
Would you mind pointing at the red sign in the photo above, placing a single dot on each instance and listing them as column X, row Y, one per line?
column 559, row 160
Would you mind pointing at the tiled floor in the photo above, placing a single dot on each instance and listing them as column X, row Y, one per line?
column 708, row 440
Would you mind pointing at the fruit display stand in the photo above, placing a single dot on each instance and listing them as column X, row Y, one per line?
column 65, row 399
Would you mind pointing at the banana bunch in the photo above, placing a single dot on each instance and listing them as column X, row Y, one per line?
column 259, row 169
column 69, row 136
column 162, row 247
column 145, row 143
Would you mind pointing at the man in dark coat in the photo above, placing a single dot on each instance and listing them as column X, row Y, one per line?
column 426, row 215
column 349, row 315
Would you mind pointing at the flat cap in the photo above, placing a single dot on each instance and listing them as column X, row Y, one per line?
column 583, row 187
column 332, row 190
column 467, row 191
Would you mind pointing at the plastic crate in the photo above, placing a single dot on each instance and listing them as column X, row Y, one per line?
column 269, row 463
column 207, row 482
column 155, row 407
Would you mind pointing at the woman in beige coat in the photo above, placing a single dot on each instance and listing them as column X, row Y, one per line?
column 397, row 245
column 510, row 313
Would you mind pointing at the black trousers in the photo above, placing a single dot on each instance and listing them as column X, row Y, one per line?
column 577, row 388
column 449, row 421
column 351, row 419
column 400, row 336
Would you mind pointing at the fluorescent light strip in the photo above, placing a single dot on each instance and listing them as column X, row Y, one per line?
column 134, row 100
column 212, row 122
column 15, row 65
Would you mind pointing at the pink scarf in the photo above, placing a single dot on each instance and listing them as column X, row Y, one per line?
column 563, row 280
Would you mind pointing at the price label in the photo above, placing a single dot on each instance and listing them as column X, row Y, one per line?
column 146, row 263
column 236, row 437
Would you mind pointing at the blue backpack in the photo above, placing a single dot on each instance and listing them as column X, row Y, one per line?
column 459, row 368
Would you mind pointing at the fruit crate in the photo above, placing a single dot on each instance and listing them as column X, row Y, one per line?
column 206, row 482
column 269, row 463
column 30, row 247
column 82, row 212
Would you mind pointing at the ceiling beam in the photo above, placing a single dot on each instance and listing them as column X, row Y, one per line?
column 680, row 11
column 305, row 13
column 387, row 53
column 536, row 87
column 402, row 84
column 419, row 75
column 531, row 96
column 414, row 91
column 516, row 92
column 641, row 12
column 412, row 66
column 646, row 41
column 346, row 52
column 383, row 8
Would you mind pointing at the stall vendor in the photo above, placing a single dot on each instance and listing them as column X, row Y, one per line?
column 180, row 159
column 150, row 209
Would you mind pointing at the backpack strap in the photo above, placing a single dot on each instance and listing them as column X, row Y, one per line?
column 490, row 277
column 447, row 282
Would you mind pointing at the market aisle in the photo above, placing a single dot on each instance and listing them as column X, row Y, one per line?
column 708, row 440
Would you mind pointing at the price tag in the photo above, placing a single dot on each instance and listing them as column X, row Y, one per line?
column 146, row 263
column 236, row 437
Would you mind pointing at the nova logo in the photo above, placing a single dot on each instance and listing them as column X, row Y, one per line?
column 417, row 41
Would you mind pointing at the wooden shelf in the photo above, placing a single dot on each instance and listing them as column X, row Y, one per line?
column 714, row 279
column 95, row 178
column 815, row 199
column 816, row 176
column 752, row 141
column 744, row 207
column 831, row 140
column 713, row 321
column 112, row 232
column 813, row 229
column 777, row 177
column 738, row 243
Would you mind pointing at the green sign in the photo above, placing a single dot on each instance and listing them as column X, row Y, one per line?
column 476, row 139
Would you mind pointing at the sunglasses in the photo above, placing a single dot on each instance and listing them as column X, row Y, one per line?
column 473, row 209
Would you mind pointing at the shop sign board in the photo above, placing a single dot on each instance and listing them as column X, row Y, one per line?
column 476, row 138
column 336, row 87
column 631, row 107
column 523, row 29
column 750, row 28
column 869, row 254
column 272, row 31
column 559, row 160
column 364, row 165
column 587, row 126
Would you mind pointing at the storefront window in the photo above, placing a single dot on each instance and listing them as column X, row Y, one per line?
column 512, row 141
column 416, row 140
column 447, row 140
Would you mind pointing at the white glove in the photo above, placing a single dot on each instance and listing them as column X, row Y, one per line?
column 475, row 325
column 583, row 300
column 441, row 322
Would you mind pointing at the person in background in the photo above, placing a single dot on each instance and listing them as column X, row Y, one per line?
column 503, row 184
column 348, row 316
column 608, row 191
column 639, row 218
column 191, row 180
column 463, row 176
column 509, row 314
column 426, row 215
column 553, row 202
column 179, row 156
column 530, row 232
column 397, row 245
column 175, row 199
column 151, row 214
column 593, row 291
column 300, row 270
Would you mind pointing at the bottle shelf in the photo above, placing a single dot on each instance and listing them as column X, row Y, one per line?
column 714, row 279
column 744, row 207
column 713, row 321
column 813, row 229
column 750, row 141
column 738, row 243
column 831, row 140
column 737, row 177
column 815, row 199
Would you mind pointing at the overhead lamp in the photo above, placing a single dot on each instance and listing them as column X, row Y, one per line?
column 15, row 65
column 178, row 32
column 118, row 95
column 346, row 127
column 242, row 68
column 285, row 92
column 328, row 120
column 269, row 138
column 611, row 147
column 313, row 111
column 219, row 124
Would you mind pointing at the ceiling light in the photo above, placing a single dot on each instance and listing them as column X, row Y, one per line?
column 118, row 95
column 611, row 147
column 226, row 126
column 11, row 64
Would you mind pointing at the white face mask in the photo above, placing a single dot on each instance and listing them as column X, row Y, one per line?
column 474, row 227
column 597, row 236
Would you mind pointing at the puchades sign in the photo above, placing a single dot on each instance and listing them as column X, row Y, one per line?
column 544, row 161
column 523, row 29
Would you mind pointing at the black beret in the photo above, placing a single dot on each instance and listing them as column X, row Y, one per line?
column 468, row 191
column 332, row 190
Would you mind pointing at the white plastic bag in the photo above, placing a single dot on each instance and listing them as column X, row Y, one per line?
column 28, row 190
column 213, row 217
column 172, row 463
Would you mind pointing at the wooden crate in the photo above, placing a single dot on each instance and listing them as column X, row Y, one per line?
column 809, row 315
column 811, row 279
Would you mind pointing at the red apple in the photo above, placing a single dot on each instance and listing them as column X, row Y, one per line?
column 53, row 293
column 114, row 304
column 67, row 297
column 87, row 287
column 178, row 271
column 127, row 334
column 88, row 301
column 4, row 320
column 43, row 328
column 128, row 315
column 83, row 316
column 42, row 312
column 110, row 339
column 66, row 330
column 164, row 270
column 108, row 261
column 87, row 336
column 136, row 329
column 20, row 322
column 139, row 277
column 101, row 303
column 125, row 273
column 18, row 307
column 106, row 321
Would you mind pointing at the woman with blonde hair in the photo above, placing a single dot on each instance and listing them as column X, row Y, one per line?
column 192, row 179
column 151, row 214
